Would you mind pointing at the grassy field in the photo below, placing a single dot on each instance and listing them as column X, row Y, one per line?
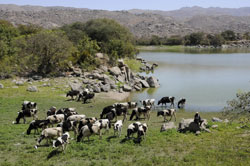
column 223, row 146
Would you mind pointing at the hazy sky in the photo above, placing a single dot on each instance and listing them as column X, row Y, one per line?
column 132, row 4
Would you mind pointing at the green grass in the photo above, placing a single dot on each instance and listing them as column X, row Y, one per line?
column 224, row 146
column 133, row 64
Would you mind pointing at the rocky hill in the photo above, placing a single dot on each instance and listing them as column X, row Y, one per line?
column 140, row 22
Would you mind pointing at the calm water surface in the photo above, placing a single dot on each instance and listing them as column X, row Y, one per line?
column 207, row 81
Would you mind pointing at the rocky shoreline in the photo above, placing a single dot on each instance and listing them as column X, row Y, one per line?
column 235, row 44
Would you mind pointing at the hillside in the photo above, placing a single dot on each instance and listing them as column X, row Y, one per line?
column 140, row 22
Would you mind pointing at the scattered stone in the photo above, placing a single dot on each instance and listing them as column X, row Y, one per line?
column 36, row 77
column 105, row 88
column 96, row 89
column 168, row 126
column 115, row 71
column 214, row 119
column 214, row 126
column 15, row 87
column 99, row 55
column 19, row 83
column 153, row 82
column 1, row 86
column 144, row 84
column 127, row 88
column 103, row 68
column 121, row 78
column 226, row 121
column 113, row 86
column 197, row 133
column 32, row 89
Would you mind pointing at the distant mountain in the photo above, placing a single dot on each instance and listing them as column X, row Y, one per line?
column 140, row 22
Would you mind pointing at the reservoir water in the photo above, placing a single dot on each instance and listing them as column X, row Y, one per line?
column 207, row 81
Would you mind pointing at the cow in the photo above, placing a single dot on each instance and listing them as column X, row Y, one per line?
column 181, row 103
column 132, row 105
column 53, row 119
column 27, row 105
column 86, row 121
column 90, row 129
column 148, row 102
column 118, row 127
column 118, row 110
column 36, row 124
column 145, row 111
column 67, row 111
column 62, row 141
column 88, row 96
column 142, row 131
column 83, row 94
column 49, row 133
column 69, row 126
column 133, row 128
column 165, row 100
column 73, row 93
column 76, row 118
column 167, row 112
column 51, row 111
column 26, row 113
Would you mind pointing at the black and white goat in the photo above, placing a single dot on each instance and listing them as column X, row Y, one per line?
column 62, row 141
column 118, row 127
column 181, row 103
column 165, row 100
column 26, row 113
column 36, row 124
column 167, row 112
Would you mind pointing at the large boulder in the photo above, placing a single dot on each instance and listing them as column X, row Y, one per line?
column 121, row 78
column 115, row 71
column 168, row 126
column 127, row 88
column 96, row 89
column 153, row 82
column 32, row 89
column 189, row 125
column 105, row 88
column 108, row 80
column 76, row 86
column 144, row 84
column 1, row 86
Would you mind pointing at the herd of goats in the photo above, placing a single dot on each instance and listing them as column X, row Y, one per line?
column 67, row 119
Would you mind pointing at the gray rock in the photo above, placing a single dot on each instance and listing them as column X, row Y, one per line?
column 115, row 71
column 121, row 63
column 103, row 68
column 144, row 84
column 189, row 125
column 108, row 80
column 36, row 77
column 168, row 126
column 19, row 83
column 127, row 88
column 226, row 121
column 96, row 89
column 121, row 78
column 214, row 126
column 113, row 86
column 15, row 87
column 137, row 88
column 85, row 81
column 1, row 86
column 32, row 89
column 99, row 55
column 214, row 119
column 76, row 86
column 153, row 82
column 105, row 88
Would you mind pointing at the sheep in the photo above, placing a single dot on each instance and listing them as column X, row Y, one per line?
column 49, row 133
column 89, row 129
column 167, row 112
column 35, row 124
column 141, row 110
column 53, row 119
column 86, row 121
column 118, row 127
column 133, row 128
column 26, row 113
column 181, row 102
column 62, row 141
column 73, row 93
column 76, row 118
column 165, row 100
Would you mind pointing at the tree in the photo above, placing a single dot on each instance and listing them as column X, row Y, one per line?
column 194, row 38
column 48, row 52
column 75, row 31
column 215, row 40
column 228, row 35
column 28, row 29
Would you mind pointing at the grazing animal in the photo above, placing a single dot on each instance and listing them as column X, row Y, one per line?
column 110, row 116
column 49, row 133
column 133, row 128
column 88, row 96
column 197, row 119
column 27, row 105
column 67, row 111
column 76, row 118
column 62, row 141
column 36, row 124
column 26, row 113
column 167, row 112
column 145, row 111
column 90, row 129
column 148, row 102
column 73, row 93
column 181, row 103
column 83, row 94
column 53, row 119
column 132, row 105
column 106, row 110
column 166, row 100
column 142, row 131
column 105, row 124
column 69, row 126
column 86, row 121
column 118, row 111
column 118, row 127
column 51, row 111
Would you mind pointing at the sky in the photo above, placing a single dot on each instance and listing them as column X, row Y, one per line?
column 133, row 4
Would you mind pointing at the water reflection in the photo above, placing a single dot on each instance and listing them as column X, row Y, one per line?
column 206, row 80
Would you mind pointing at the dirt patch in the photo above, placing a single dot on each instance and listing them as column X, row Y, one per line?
column 114, row 95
